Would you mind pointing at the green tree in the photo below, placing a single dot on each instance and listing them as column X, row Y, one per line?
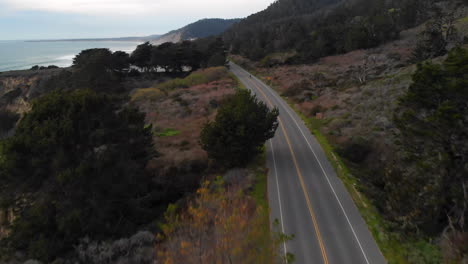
column 93, row 58
column 120, row 61
column 165, row 56
column 141, row 56
column 433, row 120
column 192, row 56
column 7, row 120
column 241, row 127
column 217, row 53
column 74, row 168
column 94, row 69
column 297, row 25
column 431, row 42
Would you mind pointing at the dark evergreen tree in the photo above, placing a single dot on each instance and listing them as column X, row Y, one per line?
column 324, row 27
column 141, row 56
column 217, row 53
column 7, row 120
column 120, row 62
column 433, row 120
column 241, row 127
column 93, row 70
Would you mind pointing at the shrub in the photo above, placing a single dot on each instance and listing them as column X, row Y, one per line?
column 356, row 151
column 241, row 127
column 151, row 94
column 297, row 88
column 82, row 160
column 317, row 109
column 427, row 185
column 136, row 249
column 195, row 78
column 221, row 225
column 7, row 120
column 10, row 96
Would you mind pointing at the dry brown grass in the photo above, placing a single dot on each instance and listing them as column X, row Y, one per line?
column 221, row 223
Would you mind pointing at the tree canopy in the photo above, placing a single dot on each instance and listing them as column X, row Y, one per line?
column 141, row 56
column 173, row 57
column 241, row 127
column 103, row 71
column 433, row 120
column 74, row 168
column 96, row 69
column 314, row 29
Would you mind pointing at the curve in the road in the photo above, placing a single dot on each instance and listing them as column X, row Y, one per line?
column 301, row 179
column 341, row 248
column 305, row 191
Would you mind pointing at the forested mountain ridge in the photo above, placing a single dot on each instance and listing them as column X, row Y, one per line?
column 287, row 8
column 310, row 30
column 201, row 29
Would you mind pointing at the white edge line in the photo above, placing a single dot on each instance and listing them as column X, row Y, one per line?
column 279, row 196
column 321, row 167
column 326, row 176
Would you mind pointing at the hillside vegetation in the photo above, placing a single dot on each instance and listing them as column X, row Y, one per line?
column 309, row 30
column 201, row 29
column 128, row 158
column 91, row 156
column 58, row 163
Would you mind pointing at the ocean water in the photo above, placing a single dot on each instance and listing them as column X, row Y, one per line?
column 21, row 55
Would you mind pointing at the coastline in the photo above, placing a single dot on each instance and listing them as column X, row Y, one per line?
column 22, row 55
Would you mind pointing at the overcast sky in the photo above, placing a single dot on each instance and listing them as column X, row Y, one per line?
column 49, row 19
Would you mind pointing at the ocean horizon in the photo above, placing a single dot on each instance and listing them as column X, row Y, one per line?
column 23, row 54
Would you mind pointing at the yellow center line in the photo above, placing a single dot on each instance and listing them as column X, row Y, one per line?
column 301, row 179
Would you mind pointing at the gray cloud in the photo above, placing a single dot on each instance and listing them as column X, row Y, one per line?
column 202, row 8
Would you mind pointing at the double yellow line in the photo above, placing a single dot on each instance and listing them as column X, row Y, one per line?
column 301, row 179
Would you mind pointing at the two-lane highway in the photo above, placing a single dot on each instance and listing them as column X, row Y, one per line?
column 306, row 195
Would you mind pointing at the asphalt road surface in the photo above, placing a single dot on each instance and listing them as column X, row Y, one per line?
column 305, row 194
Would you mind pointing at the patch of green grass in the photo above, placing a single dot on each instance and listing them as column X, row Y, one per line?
column 151, row 94
column 463, row 20
column 259, row 193
column 269, row 235
column 168, row 132
column 195, row 78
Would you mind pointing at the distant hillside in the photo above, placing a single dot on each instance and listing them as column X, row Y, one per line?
column 311, row 29
column 145, row 38
column 200, row 29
